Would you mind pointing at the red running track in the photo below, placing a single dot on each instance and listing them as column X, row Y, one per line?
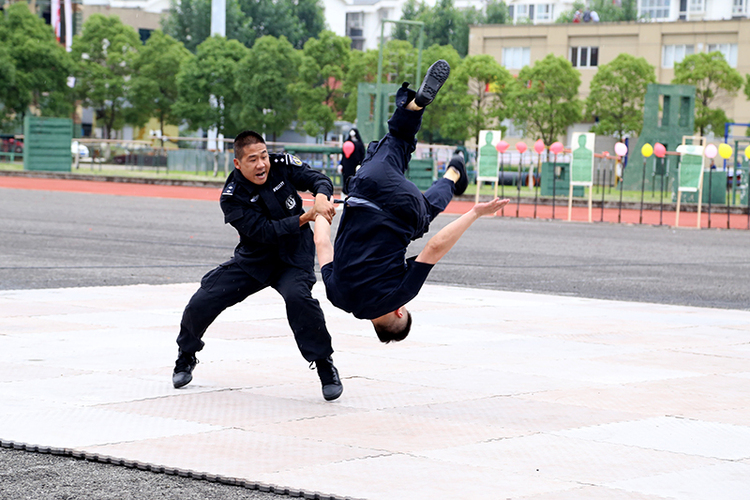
column 524, row 210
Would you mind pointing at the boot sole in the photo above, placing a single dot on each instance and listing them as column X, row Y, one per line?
column 436, row 76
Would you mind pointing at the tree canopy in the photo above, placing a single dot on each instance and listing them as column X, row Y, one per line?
column 544, row 98
column 486, row 83
column 262, row 83
column 153, row 87
column 104, row 55
column 318, row 91
column 34, row 68
column 189, row 21
column 616, row 96
column 207, row 90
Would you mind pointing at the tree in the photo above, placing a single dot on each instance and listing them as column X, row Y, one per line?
column 616, row 96
column 297, row 20
column 262, row 82
column 104, row 55
column 440, row 24
column 206, row 85
column 544, row 98
column 411, row 11
column 496, row 12
column 153, row 87
column 189, row 21
column 464, row 19
column 446, row 121
column 486, row 82
column 319, row 91
column 714, row 81
column 311, row 16
column 34, row 67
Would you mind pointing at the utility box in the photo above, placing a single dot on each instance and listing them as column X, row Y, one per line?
column 561, row 182
column 46, row 143
column 421, row 173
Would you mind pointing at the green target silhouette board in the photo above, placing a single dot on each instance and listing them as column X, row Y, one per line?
column 690, row 173
column 488, row 159
column 581, row 166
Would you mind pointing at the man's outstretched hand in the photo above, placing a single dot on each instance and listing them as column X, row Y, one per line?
column 490, row 207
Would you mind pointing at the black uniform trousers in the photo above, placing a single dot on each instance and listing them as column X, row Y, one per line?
column 229, row 284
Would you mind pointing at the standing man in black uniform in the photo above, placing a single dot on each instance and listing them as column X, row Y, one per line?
column 276, row 249
column 370, row 276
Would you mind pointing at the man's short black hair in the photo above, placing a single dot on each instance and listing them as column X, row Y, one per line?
column 246, row 138
column 386, row 334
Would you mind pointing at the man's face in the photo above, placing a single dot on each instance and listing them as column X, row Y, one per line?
column 254, row 163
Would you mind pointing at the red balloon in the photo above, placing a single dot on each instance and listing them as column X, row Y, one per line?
column 521, row 147
column 539, row 146
column 348, row 148
column 659, row 150
column 502, row 146
column 556, row 147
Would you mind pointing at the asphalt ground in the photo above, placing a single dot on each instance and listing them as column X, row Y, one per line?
column 61, row 239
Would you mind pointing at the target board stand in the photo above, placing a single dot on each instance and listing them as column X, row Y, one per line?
column 488, row 160
column 581, row 166
column 690, row 173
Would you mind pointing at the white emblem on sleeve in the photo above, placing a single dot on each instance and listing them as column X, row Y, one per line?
column 291, row 202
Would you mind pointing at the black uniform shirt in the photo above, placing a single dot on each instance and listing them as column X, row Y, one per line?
column 267, row 216
column 369, row 276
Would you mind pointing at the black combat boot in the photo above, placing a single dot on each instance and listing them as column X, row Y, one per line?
column 183, row 369
column 329, row 378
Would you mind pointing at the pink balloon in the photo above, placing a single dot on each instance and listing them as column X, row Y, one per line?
column 348, row 148
column 539, row 146
column 659, row 150
column 502, row 146
column 711, row 151
column 556, row 147
column 521, row 147
column 621, row 149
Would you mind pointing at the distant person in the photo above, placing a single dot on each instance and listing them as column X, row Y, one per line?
column 586, row 16
column 577, row 16
column 369, row 275
column 350, row 165
column 276, row 249
column 594, row 17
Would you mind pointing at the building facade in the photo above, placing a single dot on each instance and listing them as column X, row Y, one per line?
column 588, row 46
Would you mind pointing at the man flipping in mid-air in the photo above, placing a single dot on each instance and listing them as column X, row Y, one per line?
column 370, row 276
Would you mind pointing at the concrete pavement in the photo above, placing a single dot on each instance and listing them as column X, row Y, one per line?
column 494, row 395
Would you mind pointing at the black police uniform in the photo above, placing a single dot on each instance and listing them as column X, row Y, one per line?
column 273, row 251
column 370, row 275
column 349, row 165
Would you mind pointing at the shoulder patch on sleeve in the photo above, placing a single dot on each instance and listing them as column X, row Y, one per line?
column 229, row 189
column 293, row 160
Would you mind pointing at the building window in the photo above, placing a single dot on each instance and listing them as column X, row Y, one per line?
column 516, row 57
column 543, row 12
column 584, row 57
column 654, row 9
column 728, row 50
column 355, row 29
column 697, row 6
column 739, row 7
column 520, row 12
column 673, row 54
